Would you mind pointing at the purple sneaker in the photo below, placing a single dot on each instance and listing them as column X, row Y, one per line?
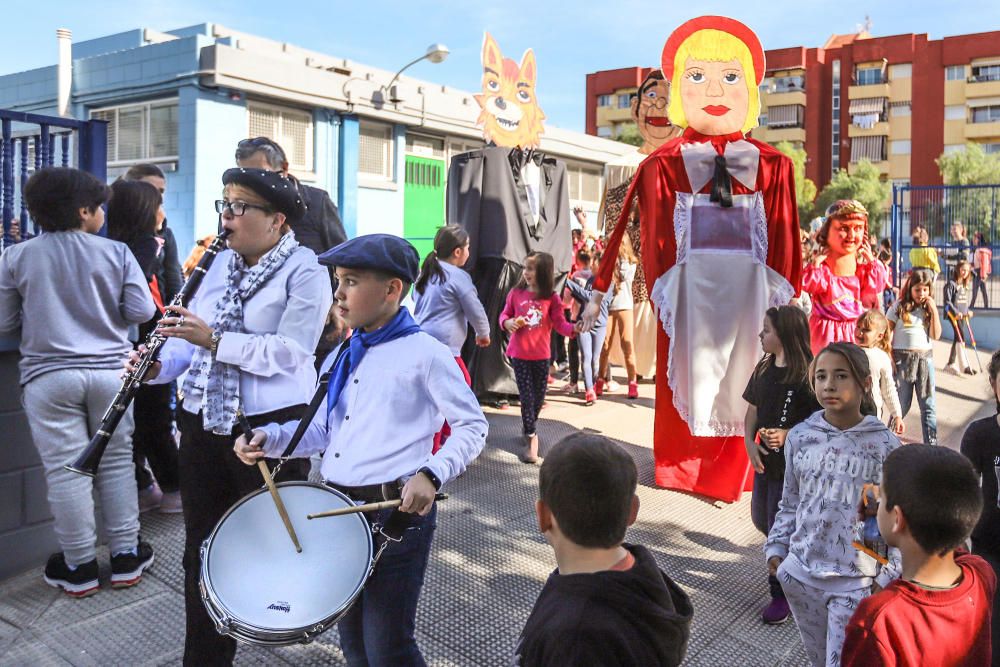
column 776, row 613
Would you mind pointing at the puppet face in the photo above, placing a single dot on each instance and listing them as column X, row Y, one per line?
column 650, row 111
column 510, row 113
column 714, row 96
column 846, row 236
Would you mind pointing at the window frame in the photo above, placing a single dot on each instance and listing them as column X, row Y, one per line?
column 146, row 106
column 604, row 100
column 370, row 178
column 950, row 70
column 305, row 171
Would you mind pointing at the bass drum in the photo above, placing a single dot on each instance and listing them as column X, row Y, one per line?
column 259, row 590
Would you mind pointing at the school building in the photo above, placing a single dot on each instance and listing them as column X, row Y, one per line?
column 899, row 102
column 183, row 99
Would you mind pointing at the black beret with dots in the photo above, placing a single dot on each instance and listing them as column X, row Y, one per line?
column 280, row 192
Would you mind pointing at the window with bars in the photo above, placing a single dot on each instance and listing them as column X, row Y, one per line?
column 140, row 132
column 375, row 154
column 291, row 128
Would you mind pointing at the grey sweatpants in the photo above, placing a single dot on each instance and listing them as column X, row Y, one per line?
column 64, row 408
column 821, row 617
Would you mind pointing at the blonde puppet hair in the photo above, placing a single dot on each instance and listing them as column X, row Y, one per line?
column 718, row 46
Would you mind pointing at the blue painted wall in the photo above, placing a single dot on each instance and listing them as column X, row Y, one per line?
column 380, row 206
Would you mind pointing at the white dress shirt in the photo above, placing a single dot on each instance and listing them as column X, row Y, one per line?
column 383, row 425
column 283, row 323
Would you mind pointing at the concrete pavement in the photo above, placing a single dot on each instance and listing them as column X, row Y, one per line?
column 487, row 566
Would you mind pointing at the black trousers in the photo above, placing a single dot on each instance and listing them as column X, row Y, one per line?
column 212, row 479
column 532, row 380
column 153, row 440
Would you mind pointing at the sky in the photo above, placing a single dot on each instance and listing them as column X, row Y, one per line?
column 570, row 38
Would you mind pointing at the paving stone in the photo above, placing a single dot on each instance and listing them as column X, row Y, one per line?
column 32, row 654
column 108, row 603
column 24, row 598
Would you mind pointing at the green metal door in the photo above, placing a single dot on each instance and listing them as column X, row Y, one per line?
column 423, row 202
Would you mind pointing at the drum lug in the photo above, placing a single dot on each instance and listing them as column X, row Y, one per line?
column 313, row 633
column 224, row 625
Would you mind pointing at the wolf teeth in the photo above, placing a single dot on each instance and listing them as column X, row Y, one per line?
column 508, row 124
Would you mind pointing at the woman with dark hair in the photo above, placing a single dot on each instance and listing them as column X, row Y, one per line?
column 134, row 213
column 169, row 275
column 72, row 296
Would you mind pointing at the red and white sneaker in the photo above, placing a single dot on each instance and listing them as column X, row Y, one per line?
column 590, row 397
column 78, row 583
column 127, row 568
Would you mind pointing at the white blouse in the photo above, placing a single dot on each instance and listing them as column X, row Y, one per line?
column 383, row 425
column 283, row 323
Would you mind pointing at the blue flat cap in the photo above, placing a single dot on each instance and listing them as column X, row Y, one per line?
column 378, row 252
column 281, row 193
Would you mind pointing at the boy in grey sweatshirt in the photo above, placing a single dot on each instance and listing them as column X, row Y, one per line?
column 824, row 577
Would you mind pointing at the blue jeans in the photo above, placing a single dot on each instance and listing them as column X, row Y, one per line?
column 590, row 349
column 378, row 630
column 763, row 509
column 928, row 414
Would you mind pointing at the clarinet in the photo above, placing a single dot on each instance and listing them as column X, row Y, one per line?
column 90, row 458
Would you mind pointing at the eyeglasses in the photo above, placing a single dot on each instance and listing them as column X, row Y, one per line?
column 237, row 208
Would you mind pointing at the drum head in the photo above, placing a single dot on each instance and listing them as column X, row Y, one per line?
column 254, row 572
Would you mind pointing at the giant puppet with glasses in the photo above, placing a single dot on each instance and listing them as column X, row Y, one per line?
column 720, row 245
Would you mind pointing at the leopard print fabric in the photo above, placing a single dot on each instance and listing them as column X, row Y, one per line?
column 614, row 200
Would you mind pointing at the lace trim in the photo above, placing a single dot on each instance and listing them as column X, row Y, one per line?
column 759, row 235
column 782, row 295
column 682, row 222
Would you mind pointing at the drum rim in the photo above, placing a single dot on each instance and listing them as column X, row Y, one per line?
column 278, row 637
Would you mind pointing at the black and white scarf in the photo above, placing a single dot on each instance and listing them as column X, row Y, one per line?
column 219, row 383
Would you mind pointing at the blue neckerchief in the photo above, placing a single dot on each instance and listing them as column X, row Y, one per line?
column 401, row 325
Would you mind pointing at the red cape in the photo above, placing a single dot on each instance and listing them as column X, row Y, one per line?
column 715, row 467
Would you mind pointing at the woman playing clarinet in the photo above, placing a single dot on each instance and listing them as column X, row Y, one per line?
column 246, row 342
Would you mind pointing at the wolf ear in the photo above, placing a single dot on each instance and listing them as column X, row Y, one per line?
column 528, row 69
column 492, row 57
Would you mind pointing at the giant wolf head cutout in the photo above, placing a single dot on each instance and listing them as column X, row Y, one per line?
column 510, row 113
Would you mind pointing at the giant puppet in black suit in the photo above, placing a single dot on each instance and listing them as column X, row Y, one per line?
column 512, row 200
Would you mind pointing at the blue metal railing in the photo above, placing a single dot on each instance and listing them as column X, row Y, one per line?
column 936, row 208
column 48, row 138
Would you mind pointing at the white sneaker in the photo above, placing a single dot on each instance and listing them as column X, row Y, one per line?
column 613, row 386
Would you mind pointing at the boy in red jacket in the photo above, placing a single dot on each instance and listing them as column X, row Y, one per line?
column 938, row 612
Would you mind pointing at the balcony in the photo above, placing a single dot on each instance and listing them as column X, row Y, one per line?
column 982, row 88
column 870, row 90
column 881, row 127
column 784, row 97
column 882, row 166
column 982, row 130
column 609, row 115
column 773, row 135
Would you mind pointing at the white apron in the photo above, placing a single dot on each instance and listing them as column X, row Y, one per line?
column 713, row 300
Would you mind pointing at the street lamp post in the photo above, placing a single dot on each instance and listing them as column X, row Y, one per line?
column 436, row 53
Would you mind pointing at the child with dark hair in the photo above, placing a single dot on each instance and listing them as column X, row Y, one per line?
column 447, row 302
column 72, row 296
column 914, row 323
column 780, row 398
column 981, row 445
column 134, row 213
column 957, row 299
column 831, row 457
column 607, row 603
column 532, row 311
column 938, row 612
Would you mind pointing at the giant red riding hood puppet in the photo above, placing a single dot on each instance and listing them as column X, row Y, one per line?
column 720, row 240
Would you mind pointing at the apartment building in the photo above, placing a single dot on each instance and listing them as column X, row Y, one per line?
column 899, row 102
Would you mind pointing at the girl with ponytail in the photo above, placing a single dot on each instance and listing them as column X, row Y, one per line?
column 446, row 301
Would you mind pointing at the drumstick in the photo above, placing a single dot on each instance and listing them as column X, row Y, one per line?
column 370, row 507
column 266, row 473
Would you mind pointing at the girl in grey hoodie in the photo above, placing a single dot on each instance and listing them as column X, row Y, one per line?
column 830, row 457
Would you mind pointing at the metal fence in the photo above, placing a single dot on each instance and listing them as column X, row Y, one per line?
column 31, row 141
column 936, row 209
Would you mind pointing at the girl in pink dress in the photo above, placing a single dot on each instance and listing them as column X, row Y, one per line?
column 842, row 276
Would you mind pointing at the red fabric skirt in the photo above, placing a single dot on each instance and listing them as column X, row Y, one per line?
column 715, row 467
